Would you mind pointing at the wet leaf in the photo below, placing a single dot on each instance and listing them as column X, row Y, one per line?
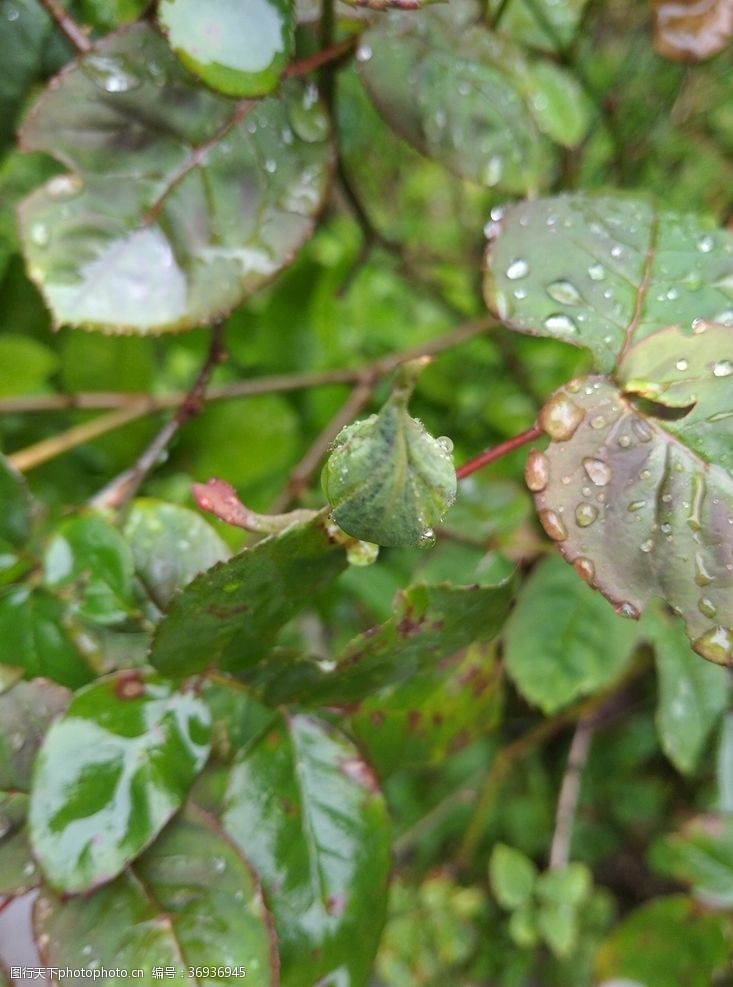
column 24, row 32
column 562, row 640
column 15, row 517
column 666, row 942
column 88, row 554
column 606, row 272
column 18, row 871
column 387, row 480
column 545, row 24
column 701, row 855
column 170, row 546
column 636, row 512
column 35, row 636
column 429, row 625
column 690, row 30
column 231, row 614
column 306, row 811
column 27, row 710
column 238, row 48
column 432, row 714
column 192, row 899
column 692, row 694
column 110, row 775
column 512, row 875
column 179, row 203
column 469, row 98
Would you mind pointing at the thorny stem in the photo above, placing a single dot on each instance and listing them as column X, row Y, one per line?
column 133, row 406
column 124, row 486
column 503, row 449
column 567, row 802
column 73, row 31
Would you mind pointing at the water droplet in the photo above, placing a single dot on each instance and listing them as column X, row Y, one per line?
column 29, row 869
column 219, row 865
column 109, row 74
column 624, row 441
column 64, row 186
column 627, row 610
column 271, row 166
column 585, row 514
column 12, row 13
column 553, row 525
column 636, row 505
column 564, row 292
column 17, row 741
column 427, row 538
column 363, row 53
column 445, row 443
column 598, row 421
column 598, row 471
column 617, row 251
column 537, row 471
column 647, row 546
column 694, row 519
column 702, row 576
column 641, row 429
column 596, row 272
column 585, row 569
column 493, row 171
column 645, row 475
column 517, row 269
column 560, row 323
column 706, row 607
column 672, row 294
column 705, row 244
column 682, row 365
column 560, row 417
column 39, row 234
column 86, row 950
column 716, row 645
column 722, row 368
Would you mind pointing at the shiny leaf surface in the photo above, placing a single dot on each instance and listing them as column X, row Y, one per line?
column 18, row 870
column 239, row 48
column 469, row 98
column 191, row 900
column 231, row 614
column 636, row 512
column 110, row 775
column 170, row 546
column 27, row 710
column 15, row 517
column 179, row 202
column 605, row 272
column 306, row 811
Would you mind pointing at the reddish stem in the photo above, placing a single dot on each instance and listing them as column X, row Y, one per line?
column 484, row 458
column 320, row 58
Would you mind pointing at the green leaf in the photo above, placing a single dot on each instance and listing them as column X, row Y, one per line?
column 387, row 480
column 179, row 202
column 170, row 546
column 26, row 711
column 558, row 926
column 701, row 855
column 523, row 925
column 106, row 15
column 432, row 714
column 192, row 900
column 239, row 48
column 35, row 636
column 18, row 871
column 569, row 885
column 15, row 517
column 428, row 626
column 546, row 24
column 24, row 31
column 692, row 694
column 89, row 554
column 469, row 98
column 562, row 641
column 606, row 272
column 637, row 512
column 25, row 365
column 231, row 614
column 512, row 876
column 305, row 809
column 110, row 775
column 665, row 943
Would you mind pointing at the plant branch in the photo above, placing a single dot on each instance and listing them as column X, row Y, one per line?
column 41, row 452
column 503, row 449
column 303, row 472
column 73, row 31
column 321, row 58
column 519, row 748
column 131, row 406
column 567, row 802
column 124, row 486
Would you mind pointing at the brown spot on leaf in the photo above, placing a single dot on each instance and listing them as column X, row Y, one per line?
column 129, row 685
column 358, row 771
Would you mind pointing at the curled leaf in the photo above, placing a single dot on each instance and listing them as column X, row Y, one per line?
column 387, row 479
